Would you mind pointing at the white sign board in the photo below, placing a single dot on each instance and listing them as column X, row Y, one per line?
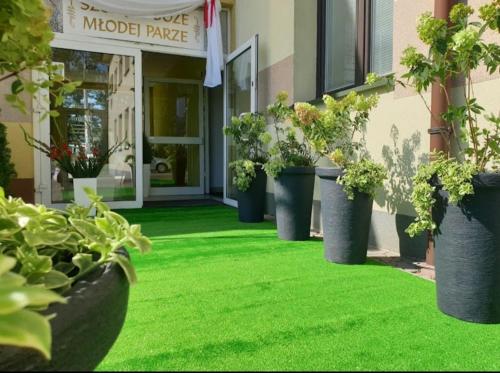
column 183, row 30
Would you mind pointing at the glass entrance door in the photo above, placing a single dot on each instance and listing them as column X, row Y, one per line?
column 99, row 114
column 240, row 96
column 174, row 126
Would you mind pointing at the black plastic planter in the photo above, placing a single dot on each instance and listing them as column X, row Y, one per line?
column 252, row 202
column 84, row 329
column 293, row 197
column 467, row 254
column 346, row 223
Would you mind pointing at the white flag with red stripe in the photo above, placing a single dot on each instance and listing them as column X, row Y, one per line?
column 215, row 58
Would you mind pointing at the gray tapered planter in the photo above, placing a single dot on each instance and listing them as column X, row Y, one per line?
column 467, row 253
column 346, row 223
column 252, row 202
column 293, row 197
column 84, row 329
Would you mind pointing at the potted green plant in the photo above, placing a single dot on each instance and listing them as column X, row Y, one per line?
column 347, row 191
column 291, row 164
column 7, row 170
column 82, row 166
column 64, row 283
column 50, row 257
column 457, row 195
column 147, row 158
column 250, row 137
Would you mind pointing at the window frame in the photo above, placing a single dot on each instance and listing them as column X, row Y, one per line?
column 362, row 47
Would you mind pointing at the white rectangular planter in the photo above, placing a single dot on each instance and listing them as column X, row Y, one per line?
column 79, row 194
column 146, row 178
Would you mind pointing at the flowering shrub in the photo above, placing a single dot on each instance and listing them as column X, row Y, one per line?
column 337, row 133
column 364, row 176
column 250, row 136
column 288, row 151
column 455, row 51
column 244, row 171
column 77, row 164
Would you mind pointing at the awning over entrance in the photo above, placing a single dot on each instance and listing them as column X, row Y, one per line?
column 165, row 8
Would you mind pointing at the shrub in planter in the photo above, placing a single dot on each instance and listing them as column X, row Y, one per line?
column 49, row 256
column 250, row 136
column 291, row 165
column 457, row 195
column 346, row 191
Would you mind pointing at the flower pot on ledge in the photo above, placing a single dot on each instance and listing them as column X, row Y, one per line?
column 467, row 252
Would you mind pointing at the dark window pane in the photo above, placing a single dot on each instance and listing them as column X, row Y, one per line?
column 381, row 36
column 340, row 48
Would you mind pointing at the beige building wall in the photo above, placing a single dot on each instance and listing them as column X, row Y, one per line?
column 397, row 132
column 273, row 21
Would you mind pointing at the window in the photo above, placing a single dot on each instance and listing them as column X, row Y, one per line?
column 354, row 38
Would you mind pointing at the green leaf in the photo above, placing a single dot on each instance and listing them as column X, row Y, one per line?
column 28, row 210
column 138, row 240
column 26, row 329
column 17, row 87
column 88, row 230
column 13, row 299
column 104, row 225
column 50, row 280
column 64, row 267
column 11, row 279
column 83, row 261
column 45, row 238
column 6, row 264
column 126, row 265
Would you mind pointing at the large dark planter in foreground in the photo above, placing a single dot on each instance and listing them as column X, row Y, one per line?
column 293, row 197
column 252, row 202
column 84, row 329
column 346, row 223
column 467, row 254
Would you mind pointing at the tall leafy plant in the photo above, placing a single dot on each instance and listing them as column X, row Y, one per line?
column 337, row 132
column 250, row 137
column 456, row 50
column 288, row 150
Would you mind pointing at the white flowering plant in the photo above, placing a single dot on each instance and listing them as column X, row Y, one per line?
column 456, row 50
column 250, row 136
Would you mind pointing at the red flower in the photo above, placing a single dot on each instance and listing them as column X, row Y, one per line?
column 67, row 150
column 55, row 153
column 95, row 152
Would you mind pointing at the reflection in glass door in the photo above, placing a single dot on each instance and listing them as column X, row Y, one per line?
column 240, row 96
column 97, row 115
column 174, row 126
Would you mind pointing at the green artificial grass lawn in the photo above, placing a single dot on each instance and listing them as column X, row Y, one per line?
column 216, row 294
